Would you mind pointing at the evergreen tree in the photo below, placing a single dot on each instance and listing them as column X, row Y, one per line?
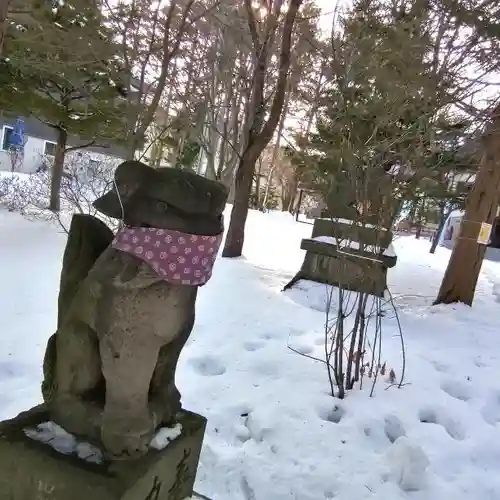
column 481, row 39
column 58, row 67
column 379, row 123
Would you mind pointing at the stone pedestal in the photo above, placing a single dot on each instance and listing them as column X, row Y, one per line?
column 31, row 470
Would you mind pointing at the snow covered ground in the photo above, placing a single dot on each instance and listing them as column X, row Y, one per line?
column 273, row 431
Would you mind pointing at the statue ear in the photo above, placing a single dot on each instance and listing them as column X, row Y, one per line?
column 188, row 192
column 130, row 178
column 88, row 237
column 109, row 204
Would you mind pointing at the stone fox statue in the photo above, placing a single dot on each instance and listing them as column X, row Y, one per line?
column 127, row 305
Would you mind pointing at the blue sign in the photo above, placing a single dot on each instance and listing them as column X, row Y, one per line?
column 17, row 138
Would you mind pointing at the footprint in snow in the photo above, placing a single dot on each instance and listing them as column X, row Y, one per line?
column 301, row 348
column 457, row 389
column 252, row 346
column 451, row 426
column 440, row 367
column 10, row 369
column 268, row 336
column 379, row 434
column 374, row 432
column 207, row 366
column 333, row 415
column 295, row 332
column 491, row 410
column 267, row 369
column 480, row 363
column 406, row 465
column 393, row 428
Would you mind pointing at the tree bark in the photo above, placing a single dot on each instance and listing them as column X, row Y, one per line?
column 460, row 279
column 257, row 183
column 225, row 131
column 299, row 203
column 269, row 179
column 420, row 212
column 57, row 170
column 259, row 137
column 276, row 148
column 243, row 184
column 443, row 215
column 170, row 48
column 227, row 176
column 293, row 197
column 287, row 199
column 4, row 9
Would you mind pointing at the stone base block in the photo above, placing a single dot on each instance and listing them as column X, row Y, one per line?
column 32, row 470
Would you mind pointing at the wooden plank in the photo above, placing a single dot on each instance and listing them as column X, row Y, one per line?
column 308, row 186
column 330, row 250
column 343, row 273
column 371, row 236
column 350, row 213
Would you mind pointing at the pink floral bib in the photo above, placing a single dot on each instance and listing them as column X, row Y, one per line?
column 179, row 258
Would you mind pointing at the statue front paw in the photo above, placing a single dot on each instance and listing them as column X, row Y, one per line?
column 127, row 438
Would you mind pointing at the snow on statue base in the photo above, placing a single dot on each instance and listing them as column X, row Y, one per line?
column 126, row 308
column 32, row 470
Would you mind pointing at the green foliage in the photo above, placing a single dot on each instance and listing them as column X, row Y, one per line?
column 189, row 154
column 381, row 125
column 58, row 66
column 299, row 162
column 272, row 200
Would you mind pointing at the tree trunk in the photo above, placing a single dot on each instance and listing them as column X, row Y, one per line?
column 286, row 200
column 460, row 279
column 224, row 136
column 242, row 188
column 277, row 145
column 442, row 220
column 257, row 183
column 299, row 203
column 260, row 132
column 57, row 170
column 269, row 179
column 227, row 176
column 293, row 197
column 4, row 9
column 289, row 193
column 420, row 218
column 174, row 27
column 130, row 150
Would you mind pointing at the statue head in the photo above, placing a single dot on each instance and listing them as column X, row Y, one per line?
column 165, row 198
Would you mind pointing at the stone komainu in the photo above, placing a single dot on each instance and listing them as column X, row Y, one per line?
column 126, row 310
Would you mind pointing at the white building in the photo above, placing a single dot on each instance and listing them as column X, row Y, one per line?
column 40, row 144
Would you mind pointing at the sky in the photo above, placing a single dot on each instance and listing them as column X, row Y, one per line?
column 328, row 7
column 482, row 99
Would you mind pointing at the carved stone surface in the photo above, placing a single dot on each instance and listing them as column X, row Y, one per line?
column 31, row 470
column 109, row 370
